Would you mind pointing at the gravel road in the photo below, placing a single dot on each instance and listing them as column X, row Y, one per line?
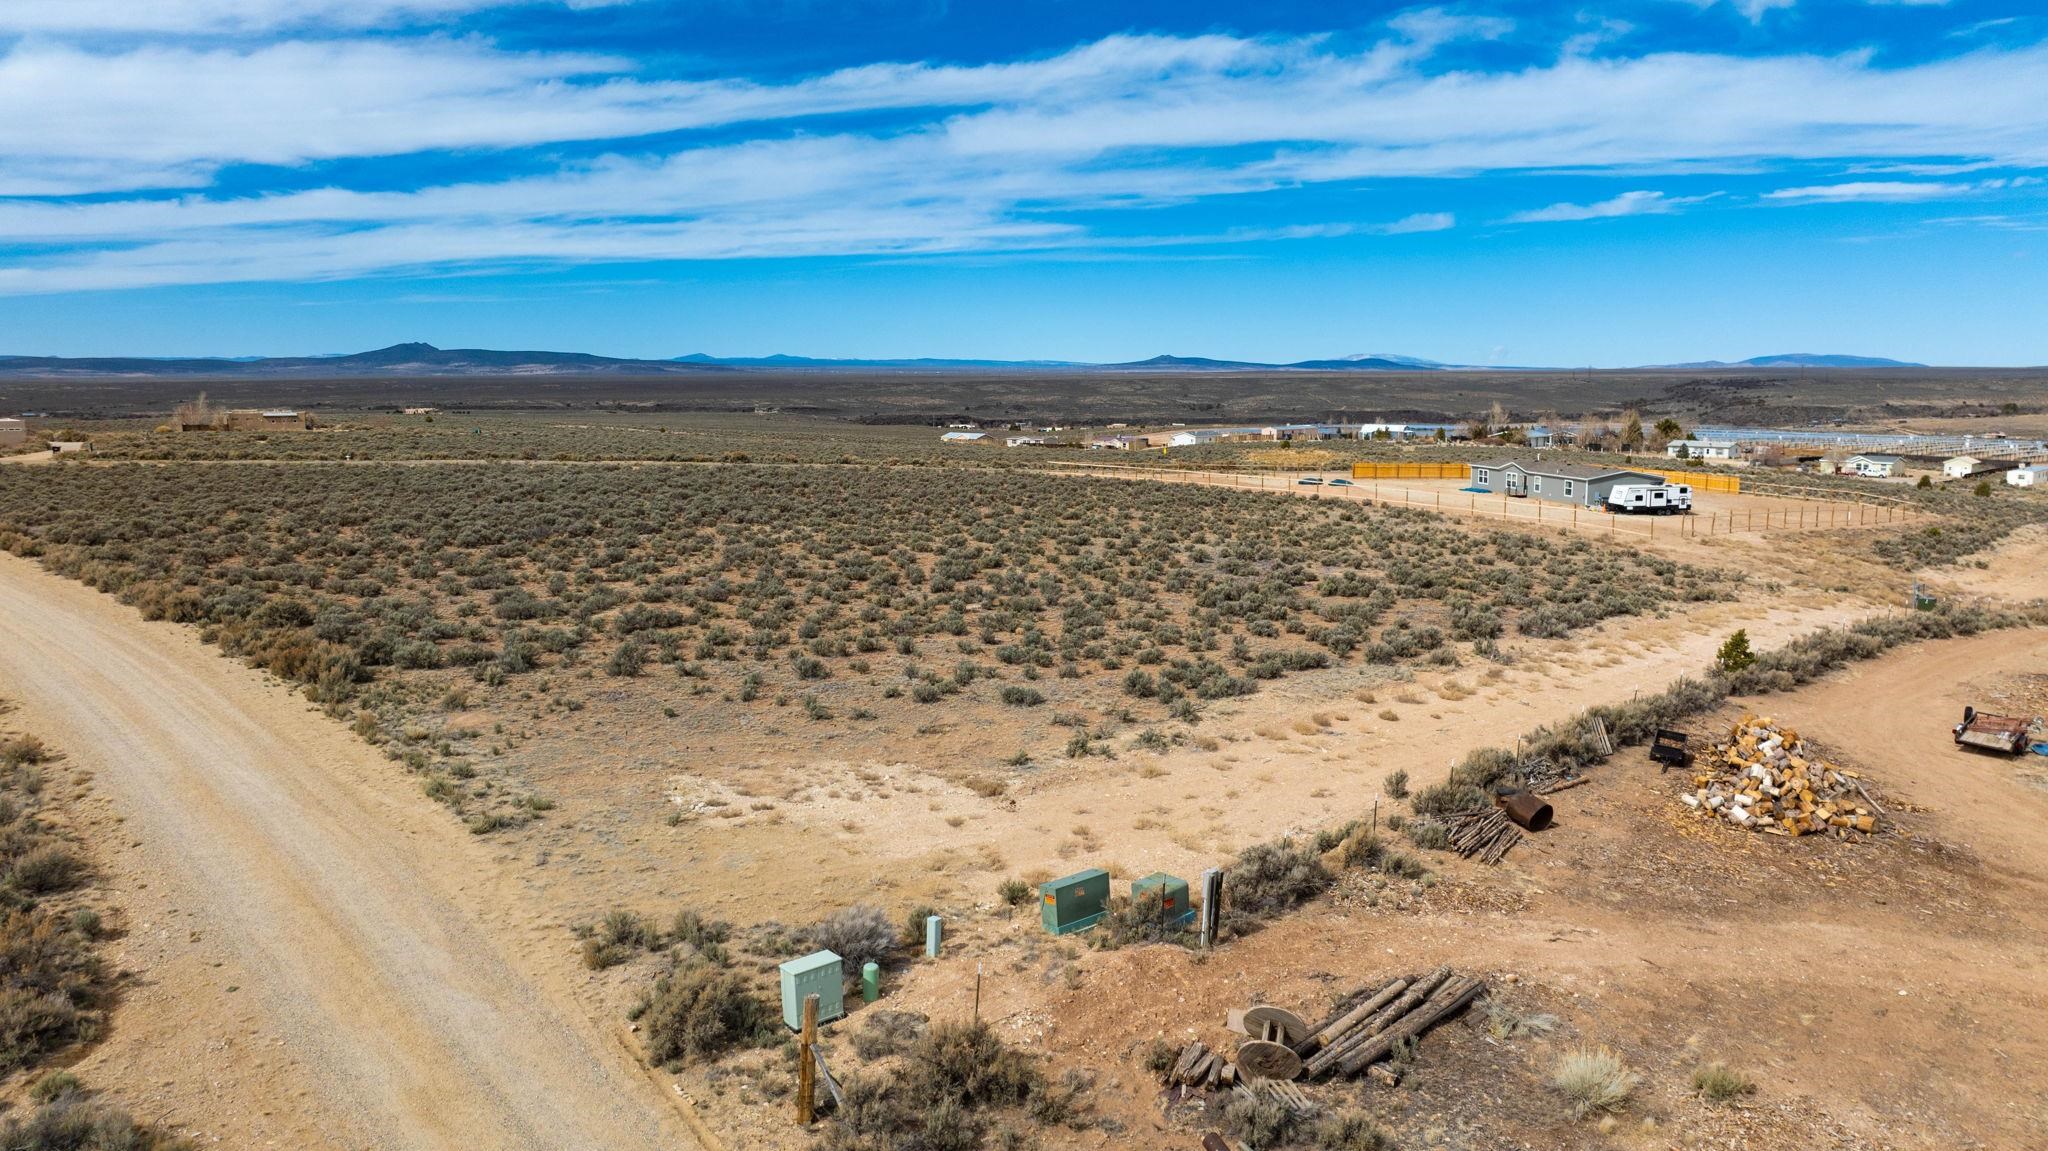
column 384, row 947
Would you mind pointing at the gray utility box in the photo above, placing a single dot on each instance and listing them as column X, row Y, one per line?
column 821, row 974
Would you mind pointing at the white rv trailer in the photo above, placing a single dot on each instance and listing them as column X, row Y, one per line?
column 1650, row 499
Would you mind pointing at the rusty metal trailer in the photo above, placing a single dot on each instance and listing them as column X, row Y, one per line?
column 2000, row 733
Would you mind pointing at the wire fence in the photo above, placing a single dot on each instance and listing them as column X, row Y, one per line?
column 1526, row 511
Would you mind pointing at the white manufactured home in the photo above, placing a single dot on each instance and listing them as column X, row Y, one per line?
column 1875, row 466
column 2030, row 476
column 1702, row 449
column 1559, row 483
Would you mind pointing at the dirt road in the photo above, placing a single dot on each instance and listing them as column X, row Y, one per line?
column 373, row 944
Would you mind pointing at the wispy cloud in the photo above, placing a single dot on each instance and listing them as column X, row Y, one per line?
column 1895, row 191
column 113, row 151
column 1626, row 204
column 232, row 16
column 1419, row 222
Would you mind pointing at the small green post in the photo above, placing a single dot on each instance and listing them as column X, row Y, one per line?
column 931, row 937
column 871, row 983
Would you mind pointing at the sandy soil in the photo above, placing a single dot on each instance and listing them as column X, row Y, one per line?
column 1885, row 994
column 325, row 959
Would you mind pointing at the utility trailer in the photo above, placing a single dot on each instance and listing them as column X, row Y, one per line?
column 1649, row 499
column 2000, row 733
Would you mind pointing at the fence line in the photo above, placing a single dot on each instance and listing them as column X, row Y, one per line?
column 1523, row 511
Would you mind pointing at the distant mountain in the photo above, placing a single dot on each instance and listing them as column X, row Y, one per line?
column 396, row 360
column 914, row 364
column 1799, row 360
column 1361, row 363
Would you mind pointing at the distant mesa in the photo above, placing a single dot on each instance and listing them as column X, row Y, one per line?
column 1799, row 360
column 423, row 359
column 411, row 358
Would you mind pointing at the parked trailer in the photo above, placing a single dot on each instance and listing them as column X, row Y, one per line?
column 1650, row 499
column 2000, row 733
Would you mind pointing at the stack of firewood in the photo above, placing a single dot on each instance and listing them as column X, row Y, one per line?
column 1483, row 832
column 1765, row 778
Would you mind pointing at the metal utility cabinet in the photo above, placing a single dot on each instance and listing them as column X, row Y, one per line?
column 819, row 973
column 1175, row 908
column 1075, row 902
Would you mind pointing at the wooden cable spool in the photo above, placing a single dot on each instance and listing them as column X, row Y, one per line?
column 1265, row 1059
column 1275, row 1024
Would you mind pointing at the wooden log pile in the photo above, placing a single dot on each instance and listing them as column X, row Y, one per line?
column 1200, row 1068
column 1765, row 778
column 1484, row 833
column 1403, row 1009
column 1350, row 1042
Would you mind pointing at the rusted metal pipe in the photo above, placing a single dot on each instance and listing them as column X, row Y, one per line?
column 1526, row 808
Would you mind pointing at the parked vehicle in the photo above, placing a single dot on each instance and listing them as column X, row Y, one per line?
column 1650, row 499
column 1342, row 484
column 1313, row 481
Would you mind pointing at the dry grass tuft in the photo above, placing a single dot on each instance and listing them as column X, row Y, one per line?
column 1594, row 1079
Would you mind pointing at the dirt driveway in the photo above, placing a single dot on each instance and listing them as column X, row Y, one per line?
column 343, row 965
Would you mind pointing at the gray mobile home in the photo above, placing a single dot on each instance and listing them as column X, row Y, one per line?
column 1556, row 483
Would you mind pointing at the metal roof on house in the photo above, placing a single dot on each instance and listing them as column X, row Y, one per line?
column 1566, row 471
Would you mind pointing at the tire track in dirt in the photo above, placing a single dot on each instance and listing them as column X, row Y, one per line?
column 359, row 916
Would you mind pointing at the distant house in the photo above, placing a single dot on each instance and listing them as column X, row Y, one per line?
column 1194, row 437
column 963, row 437
column 1116, row 443
column 2028, row 476
column 1874, row 466
column 1963, row 467
column 70, row 447
column 418, row 411
column 1027, row 442
column 1290, row 432
column 268, row 420
column 1559, row 483
column 13, row 433
column 1701, row 449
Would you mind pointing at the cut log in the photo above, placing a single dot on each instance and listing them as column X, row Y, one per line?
column 1384, row 1075
column 1267, row 1060
column 1410, row 1000
column 1189, row 1056
column 1444, row 1004
column 1335, row 1029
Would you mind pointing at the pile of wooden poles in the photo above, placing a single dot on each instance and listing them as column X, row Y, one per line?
column 1404, row 1009
column 1483, row 832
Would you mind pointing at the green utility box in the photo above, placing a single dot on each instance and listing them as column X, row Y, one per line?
column 1074, row 903
column 1175, row 907
column 821, row 974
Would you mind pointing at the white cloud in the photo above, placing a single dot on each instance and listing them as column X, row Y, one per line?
column 1753, row 10
column 231, row 16
column 1889, row 191
column 1626, row 204
column 972, row 158
column 1419, row 222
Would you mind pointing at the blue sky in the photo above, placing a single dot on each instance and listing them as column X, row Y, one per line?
column 1598, row 184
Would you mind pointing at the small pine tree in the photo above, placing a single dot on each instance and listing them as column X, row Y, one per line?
column 1735, row 654
column 1983, row 487
column 1925, row 482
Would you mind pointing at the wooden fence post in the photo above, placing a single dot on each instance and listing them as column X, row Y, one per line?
column 806, row 1069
